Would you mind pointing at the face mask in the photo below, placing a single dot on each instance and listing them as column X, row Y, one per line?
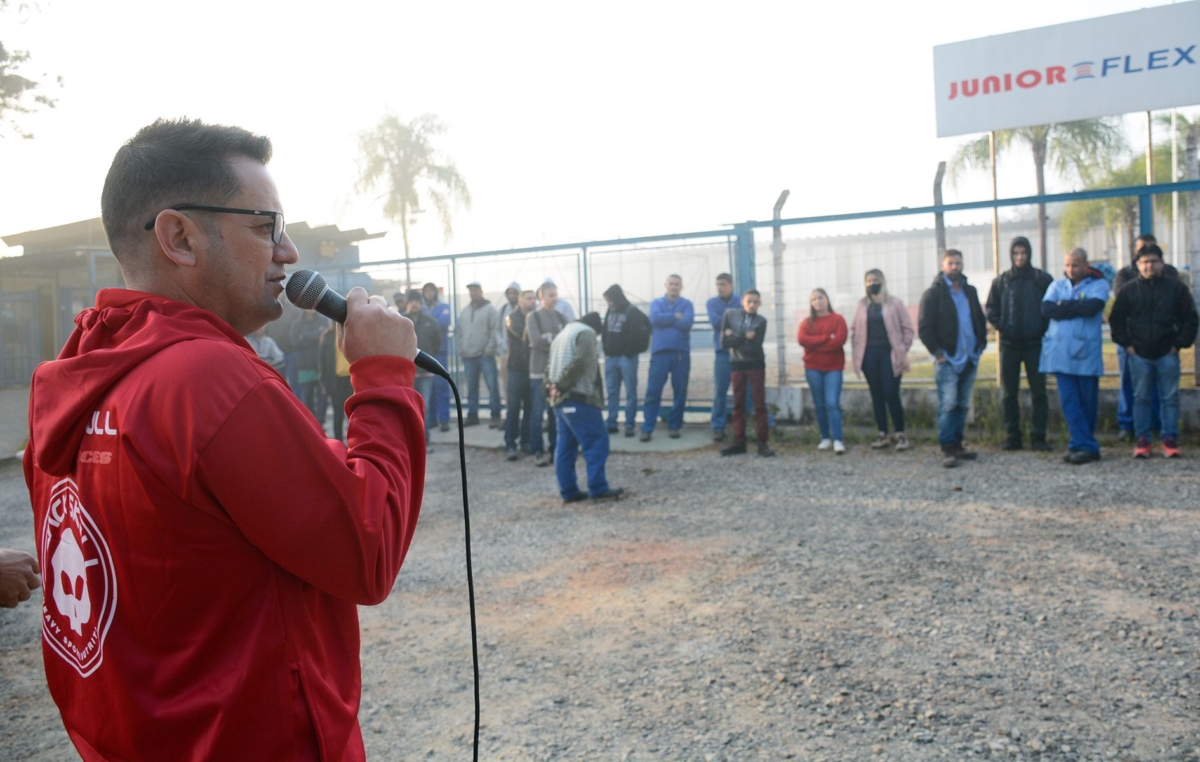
column 874, row 289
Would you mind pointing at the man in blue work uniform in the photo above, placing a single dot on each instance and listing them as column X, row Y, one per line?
column 671, row 319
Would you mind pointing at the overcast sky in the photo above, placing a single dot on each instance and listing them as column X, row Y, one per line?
column 569, row 121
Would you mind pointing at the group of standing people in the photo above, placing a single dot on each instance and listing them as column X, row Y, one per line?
column 1153, row 317
column 880, row 337
column 1045, row 325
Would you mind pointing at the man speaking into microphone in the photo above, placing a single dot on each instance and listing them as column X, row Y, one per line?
column 203, row 545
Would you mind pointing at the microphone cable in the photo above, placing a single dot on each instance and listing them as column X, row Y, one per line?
column 308, row 290
column 462, row 462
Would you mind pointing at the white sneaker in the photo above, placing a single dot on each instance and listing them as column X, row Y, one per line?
column 825, row 443
column 838, row 447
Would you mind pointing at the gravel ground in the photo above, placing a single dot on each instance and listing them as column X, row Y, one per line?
column 807, row 607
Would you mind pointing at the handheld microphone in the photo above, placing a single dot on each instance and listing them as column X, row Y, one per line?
column 308, row 290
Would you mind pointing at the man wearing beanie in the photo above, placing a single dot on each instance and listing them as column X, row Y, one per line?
column 576, row 393
column 1014, row 308
column 1153, row 318
column 1126, row 275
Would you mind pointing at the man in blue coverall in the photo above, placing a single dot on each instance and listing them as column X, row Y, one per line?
column 671, row 319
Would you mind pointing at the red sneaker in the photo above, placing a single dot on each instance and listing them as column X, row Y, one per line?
column 1170, row 448
column 1142, row 448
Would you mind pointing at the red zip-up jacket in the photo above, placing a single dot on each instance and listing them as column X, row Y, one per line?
column 823, row 340
column 203, row 544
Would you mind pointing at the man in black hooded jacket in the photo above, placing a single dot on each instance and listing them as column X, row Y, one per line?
column 1014, row 310
column 625, row 335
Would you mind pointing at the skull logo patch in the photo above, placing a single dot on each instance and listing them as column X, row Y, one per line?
column 78, row 577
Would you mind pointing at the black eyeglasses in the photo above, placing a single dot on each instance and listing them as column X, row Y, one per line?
column 277, row 224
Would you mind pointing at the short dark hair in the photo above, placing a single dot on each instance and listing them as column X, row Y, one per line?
column 952, row 253
column 754, row 291
column 542, row 288
column 183, row 161
column 1151, row 249
column 1146, row 238
column 725, row 277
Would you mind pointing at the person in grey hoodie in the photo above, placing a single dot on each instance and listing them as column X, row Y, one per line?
column 477, row 348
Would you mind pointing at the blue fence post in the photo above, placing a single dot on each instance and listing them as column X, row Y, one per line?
column 743, row 270
column 1146, row 213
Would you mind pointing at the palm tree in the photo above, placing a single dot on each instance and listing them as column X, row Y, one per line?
column 400, row 157
column 1084, row 148
column 1122, row 212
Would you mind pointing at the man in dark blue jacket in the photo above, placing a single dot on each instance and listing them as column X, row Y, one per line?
column 952, row 327
column 671, row 319
column 1014, row 308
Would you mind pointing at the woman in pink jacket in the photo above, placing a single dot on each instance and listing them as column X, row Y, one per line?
column 880, row 337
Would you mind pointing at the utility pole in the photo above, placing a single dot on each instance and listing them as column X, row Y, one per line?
column 1146, row 202
column 996, row 211
column 1191, row 158
column 939, row 219
column 1176, row 254
column 777, row 247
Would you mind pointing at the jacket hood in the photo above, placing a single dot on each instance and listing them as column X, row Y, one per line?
column 617, row 294
column 124, row 329
column 1091, row 274
column 1021, row 241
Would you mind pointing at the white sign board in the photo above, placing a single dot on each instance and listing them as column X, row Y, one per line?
column 1137, row 61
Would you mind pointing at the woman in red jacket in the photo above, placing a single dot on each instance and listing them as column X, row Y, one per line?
column 823, row 334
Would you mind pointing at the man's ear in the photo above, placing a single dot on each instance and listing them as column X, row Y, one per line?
column 179, row 237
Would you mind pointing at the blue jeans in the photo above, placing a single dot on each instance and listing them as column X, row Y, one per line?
column 1080, row 400
column 441, row 392
column 722, row 374
column 1162, row 375
column 538, row 419
column 677, row 364
column 954, row 400
column 520, row 410
column 826, row 387
column 424, row 387
column 1125, row 398
column 474, row 366
column 580, row 427
column 616, row 371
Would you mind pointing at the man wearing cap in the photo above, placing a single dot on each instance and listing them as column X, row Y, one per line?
column 429, row 340
column 477, row 348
